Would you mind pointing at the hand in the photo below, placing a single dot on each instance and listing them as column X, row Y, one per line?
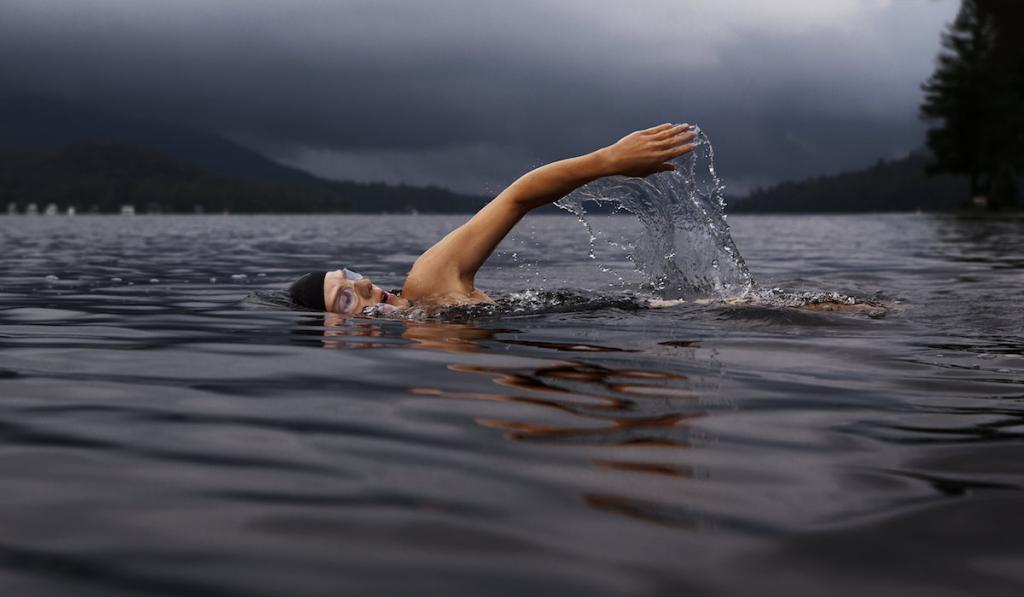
column 647, row 152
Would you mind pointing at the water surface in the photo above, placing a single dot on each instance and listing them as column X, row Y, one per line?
column 162, row 431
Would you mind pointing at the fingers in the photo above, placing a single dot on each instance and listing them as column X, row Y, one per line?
column 671, row 131
column 674, row 140
column 678, row 151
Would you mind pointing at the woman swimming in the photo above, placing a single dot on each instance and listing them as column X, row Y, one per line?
column 444, row 275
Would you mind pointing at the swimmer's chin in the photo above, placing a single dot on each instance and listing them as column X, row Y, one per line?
column 389, row 298
column 389, row 301
column 394, row 300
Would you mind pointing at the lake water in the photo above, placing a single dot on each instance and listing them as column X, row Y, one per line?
column 165, row 429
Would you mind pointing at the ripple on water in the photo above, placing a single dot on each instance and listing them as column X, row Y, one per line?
column 179, row 438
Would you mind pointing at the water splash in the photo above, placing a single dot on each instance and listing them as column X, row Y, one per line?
column 685, row 250
column 526, row 303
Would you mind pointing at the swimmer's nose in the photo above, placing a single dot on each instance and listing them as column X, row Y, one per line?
column 364, row 288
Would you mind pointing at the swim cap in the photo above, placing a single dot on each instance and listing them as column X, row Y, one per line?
column 308, row 291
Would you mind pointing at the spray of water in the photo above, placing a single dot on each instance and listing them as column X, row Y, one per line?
column 685, row 249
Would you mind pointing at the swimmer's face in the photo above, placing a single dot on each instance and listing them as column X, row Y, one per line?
column 351, row 297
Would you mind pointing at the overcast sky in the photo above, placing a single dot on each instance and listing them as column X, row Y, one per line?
column 470, row 93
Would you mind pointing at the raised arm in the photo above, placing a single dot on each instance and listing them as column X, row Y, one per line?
column 449, row 267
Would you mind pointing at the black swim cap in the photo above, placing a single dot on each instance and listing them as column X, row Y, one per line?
column 308, row 291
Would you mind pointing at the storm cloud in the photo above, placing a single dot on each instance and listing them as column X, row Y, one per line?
column 470, row 94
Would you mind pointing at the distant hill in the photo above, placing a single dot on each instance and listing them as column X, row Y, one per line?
column 47, row 126
column 103, row 177
column 899, row 185
column 73, row 155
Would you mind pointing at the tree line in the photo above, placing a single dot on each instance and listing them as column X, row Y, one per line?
column 103, row 177
column 888, row 186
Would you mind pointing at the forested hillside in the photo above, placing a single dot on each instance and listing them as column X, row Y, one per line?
column 104, row 177
column 899, row 185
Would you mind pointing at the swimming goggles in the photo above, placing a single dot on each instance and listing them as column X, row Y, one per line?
column 346, row 301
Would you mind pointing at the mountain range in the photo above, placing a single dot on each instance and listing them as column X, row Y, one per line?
column 95, row 160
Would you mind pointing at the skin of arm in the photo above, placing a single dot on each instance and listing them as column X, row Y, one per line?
column 446, row 272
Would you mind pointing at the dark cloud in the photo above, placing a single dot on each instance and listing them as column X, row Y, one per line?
column 469, row 94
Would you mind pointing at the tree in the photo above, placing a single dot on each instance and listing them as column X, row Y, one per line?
column 976, row 96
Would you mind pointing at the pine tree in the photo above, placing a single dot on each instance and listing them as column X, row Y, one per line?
column 976, row 95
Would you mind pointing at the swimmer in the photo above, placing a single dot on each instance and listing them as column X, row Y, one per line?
column 445, row 274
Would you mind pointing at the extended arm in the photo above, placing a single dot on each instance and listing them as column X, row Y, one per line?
column 449, row 267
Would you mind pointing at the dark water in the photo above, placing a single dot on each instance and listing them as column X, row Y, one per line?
column 161, row 433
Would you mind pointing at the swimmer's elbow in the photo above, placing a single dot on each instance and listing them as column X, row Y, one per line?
column 514, row 201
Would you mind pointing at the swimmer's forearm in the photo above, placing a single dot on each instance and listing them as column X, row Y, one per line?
column 638, row 154
column 553, row 181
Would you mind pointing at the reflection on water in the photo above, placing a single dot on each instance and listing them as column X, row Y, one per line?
column 606, row 411
column 606, row 406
